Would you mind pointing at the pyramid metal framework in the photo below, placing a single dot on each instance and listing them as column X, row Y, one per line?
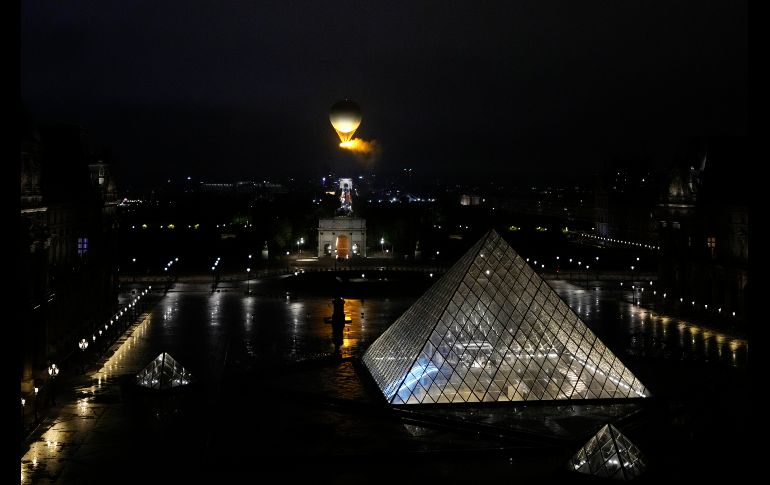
column 609, row 454
column 163, row 373
column 492, row 330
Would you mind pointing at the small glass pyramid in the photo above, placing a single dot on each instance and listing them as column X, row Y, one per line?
column 492, row 330
column 163, row 373
column 609, row 454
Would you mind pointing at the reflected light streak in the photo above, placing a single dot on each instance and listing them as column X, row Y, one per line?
column 111, row 365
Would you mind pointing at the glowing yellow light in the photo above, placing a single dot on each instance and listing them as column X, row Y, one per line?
column 358, row 145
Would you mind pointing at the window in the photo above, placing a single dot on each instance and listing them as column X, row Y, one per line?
column 711, row 242
column 82, row 246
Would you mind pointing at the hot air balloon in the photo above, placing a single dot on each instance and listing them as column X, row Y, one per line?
column 345, row 117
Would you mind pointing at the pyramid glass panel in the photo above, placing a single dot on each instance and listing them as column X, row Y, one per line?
column 609, row 454
column 163, row 373
column 472, row 329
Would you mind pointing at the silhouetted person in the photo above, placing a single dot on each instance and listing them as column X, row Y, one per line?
column 338, row 322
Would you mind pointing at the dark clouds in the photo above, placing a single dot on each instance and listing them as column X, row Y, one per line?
column 243, row 87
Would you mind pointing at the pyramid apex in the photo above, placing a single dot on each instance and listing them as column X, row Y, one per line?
column 609, row 453
column 164, row 372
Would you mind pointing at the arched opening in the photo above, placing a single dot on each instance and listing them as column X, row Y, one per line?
column 343, row 247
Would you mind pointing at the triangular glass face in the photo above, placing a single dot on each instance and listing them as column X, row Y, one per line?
column 492, row 330
column 163, row 373
column 609, row 454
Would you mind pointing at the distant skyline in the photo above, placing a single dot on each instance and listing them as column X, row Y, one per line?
column 242, row 89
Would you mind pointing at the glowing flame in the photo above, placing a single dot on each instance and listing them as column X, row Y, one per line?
column 359, row 146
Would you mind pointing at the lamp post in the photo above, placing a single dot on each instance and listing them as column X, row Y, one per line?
column 23, row 403
column 83, row 345
column 53, row 371
column 382, row 245
column 248, row 282
column 36, row 391
column 214, row 274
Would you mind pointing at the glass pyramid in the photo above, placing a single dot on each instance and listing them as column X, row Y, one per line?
column 609, row 454
column 492, row 330
column 163, row 373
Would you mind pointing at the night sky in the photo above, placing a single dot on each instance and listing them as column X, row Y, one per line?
column 240, row 89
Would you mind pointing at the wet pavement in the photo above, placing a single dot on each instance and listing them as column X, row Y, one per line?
column 271, row 398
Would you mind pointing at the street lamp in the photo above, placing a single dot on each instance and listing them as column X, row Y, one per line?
column 382, row 244
column 53, row 371
column 83, row 345
column 248, row 277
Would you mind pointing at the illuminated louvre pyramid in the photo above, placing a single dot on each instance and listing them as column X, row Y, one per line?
column 609, row 454
column 163, row 373
column 492, row 330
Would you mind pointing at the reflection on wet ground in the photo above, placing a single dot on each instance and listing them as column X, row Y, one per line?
column 269, row 388
column 640, row 331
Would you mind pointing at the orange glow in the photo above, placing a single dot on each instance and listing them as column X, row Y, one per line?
column 358, row 145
